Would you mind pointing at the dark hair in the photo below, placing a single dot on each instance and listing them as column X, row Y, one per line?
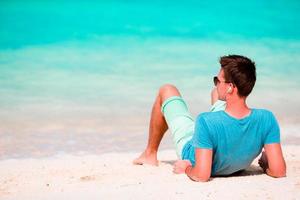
column 240, row 71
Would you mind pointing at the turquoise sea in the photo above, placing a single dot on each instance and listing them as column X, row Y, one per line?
column 81, row 76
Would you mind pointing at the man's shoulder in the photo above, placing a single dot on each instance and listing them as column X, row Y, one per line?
column 210, row 116
column 260, row 112
column 218, row 116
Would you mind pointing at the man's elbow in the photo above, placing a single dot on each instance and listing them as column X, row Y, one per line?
column 280, row 174
column 277, row 173
column 201, row 178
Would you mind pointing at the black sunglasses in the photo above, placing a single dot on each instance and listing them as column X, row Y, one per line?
column 216, row 80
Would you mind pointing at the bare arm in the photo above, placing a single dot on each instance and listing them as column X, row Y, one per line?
column 202, row 169
column 272, row 161
column 214, row 96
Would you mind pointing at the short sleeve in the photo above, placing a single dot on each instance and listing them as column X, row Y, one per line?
column 273, row 130
column 202, row 137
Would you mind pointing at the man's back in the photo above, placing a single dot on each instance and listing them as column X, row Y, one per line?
column 235, row 142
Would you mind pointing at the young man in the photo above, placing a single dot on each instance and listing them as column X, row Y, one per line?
column 223, row 141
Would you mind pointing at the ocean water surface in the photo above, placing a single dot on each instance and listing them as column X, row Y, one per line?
column 81, row 76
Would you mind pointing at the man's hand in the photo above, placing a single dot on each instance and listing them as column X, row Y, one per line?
column 263, row 161
column 180, row 166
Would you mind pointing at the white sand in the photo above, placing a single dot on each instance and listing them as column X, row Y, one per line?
column 112, row 176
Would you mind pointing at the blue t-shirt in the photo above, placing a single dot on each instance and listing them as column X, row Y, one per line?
column 235, row 142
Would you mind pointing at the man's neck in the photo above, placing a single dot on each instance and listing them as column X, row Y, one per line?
column 237, row 107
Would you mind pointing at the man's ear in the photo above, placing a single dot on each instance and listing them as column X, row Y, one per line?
column 230, row 89
column 232, row 86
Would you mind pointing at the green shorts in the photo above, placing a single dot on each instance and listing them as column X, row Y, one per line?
column 180, row 122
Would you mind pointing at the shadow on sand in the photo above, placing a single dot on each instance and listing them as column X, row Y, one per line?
column 250, row 171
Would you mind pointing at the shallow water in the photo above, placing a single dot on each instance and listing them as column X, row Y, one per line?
column 82, row 77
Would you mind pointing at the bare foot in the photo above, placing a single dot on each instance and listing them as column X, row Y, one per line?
column 146, row 158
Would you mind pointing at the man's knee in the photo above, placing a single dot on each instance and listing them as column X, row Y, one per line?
column 167, row 91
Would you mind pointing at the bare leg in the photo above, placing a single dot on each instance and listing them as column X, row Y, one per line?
column 157, row 127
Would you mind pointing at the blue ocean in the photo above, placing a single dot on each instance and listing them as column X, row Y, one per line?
column 81, row 76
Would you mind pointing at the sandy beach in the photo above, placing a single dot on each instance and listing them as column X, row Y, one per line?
column 112, row 176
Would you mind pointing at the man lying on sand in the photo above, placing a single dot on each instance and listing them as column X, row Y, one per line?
column 223, row 141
